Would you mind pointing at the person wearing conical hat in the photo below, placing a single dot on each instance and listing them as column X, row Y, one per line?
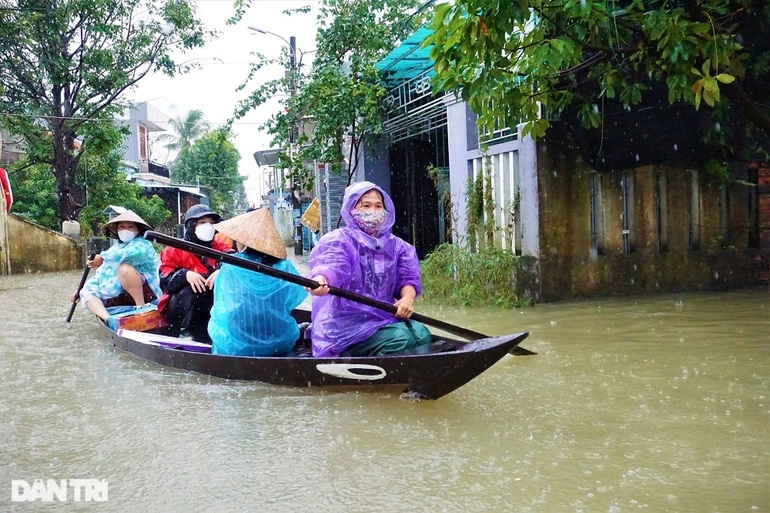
column 127, row 272
column 251, row 315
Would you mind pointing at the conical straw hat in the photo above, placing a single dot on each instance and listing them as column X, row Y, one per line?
column 256, row 230
column 110, row 228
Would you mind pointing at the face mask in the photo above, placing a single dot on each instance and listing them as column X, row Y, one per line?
column 370, row 222
column 205, row 232
column 126, row 235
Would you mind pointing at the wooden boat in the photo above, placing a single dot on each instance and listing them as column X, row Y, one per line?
column 429, row 372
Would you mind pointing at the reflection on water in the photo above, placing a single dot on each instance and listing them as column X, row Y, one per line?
column 656, row 403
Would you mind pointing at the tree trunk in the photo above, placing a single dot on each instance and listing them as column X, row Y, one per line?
column 70, row 196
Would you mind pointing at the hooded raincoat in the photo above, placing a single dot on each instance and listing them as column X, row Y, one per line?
column 252, row 313
column 349, row 258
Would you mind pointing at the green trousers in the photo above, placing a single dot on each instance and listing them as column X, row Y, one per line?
column 390, row 339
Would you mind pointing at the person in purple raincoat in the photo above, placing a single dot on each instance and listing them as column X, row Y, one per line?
column 366, row 258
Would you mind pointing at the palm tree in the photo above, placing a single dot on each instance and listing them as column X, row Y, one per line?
column 186, row 130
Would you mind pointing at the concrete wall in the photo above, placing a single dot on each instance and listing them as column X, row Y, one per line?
column 37, row 249
column 567, row 267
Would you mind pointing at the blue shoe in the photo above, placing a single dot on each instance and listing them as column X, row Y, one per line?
column 112, row 323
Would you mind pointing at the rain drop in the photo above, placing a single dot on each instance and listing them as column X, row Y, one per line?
column 676, row 147
column 637, row 157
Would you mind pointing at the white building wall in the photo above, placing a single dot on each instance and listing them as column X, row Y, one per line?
column 514, row 180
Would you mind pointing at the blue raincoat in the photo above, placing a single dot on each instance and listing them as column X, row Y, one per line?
column 139, row 253
column 349, row 258
column 251, row 315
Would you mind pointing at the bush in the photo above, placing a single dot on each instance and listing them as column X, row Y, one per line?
column 456, row 276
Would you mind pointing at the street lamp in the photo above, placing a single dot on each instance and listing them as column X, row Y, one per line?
column 297, row 207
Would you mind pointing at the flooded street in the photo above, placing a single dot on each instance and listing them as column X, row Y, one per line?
column 658, row 403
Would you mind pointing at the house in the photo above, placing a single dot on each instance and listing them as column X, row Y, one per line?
column 642, row 217
column 142, row 120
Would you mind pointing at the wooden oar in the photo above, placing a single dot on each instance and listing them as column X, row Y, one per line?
column 199, row 250
column 80, row 287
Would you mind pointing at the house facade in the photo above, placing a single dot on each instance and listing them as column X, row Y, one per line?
column 650, row 220
column 142, row 121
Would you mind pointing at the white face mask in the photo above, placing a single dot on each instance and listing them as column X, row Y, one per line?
column 205, row 232
column 126, row 235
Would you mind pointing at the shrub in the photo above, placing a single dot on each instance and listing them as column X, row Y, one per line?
column 457, row 276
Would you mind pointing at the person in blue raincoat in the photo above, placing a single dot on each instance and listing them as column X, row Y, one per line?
column 366, row 258
column 127, row 272
column 251, row 315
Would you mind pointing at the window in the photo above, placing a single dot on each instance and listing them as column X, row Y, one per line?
column 693, row 209
column 753, row 208
column 661, row 210
column 627, row 187
column 143, row 142
column 597, row 219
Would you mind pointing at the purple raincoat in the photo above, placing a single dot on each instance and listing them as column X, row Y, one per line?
column 349, row 258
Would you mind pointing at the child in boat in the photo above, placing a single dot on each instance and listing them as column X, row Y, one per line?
column 252, row 311
column 366, row 258
column 188, row 280
column 127, row 272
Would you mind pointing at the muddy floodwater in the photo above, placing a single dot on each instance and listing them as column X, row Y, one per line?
column 658, row 403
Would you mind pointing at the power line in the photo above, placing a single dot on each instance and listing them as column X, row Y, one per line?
column 32, row 116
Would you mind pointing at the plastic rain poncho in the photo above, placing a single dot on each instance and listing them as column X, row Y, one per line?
column 378, row 267
column 251, row 315
column 139, row 253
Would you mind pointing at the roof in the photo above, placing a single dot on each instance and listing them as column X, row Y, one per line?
column 267, row 157
column 409, row 60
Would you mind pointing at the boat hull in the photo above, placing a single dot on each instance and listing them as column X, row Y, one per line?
column 447, row 364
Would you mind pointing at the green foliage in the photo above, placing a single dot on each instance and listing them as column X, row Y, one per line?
column 339, row 102
column 489, row 207
column 34, row 195
column 474, row 210
column 100, row 176
column 106, row 185
column 212, row 162
column 507, row 59
column 456, row 276
column 66, row 66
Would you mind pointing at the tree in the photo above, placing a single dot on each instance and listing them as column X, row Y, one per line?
column 99, row 174
column 575, row 57
column 66, row 66
column 341, row 98
column 186, row 130
column 212, row 162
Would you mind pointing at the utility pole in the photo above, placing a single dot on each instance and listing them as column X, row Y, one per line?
column 295, row 192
